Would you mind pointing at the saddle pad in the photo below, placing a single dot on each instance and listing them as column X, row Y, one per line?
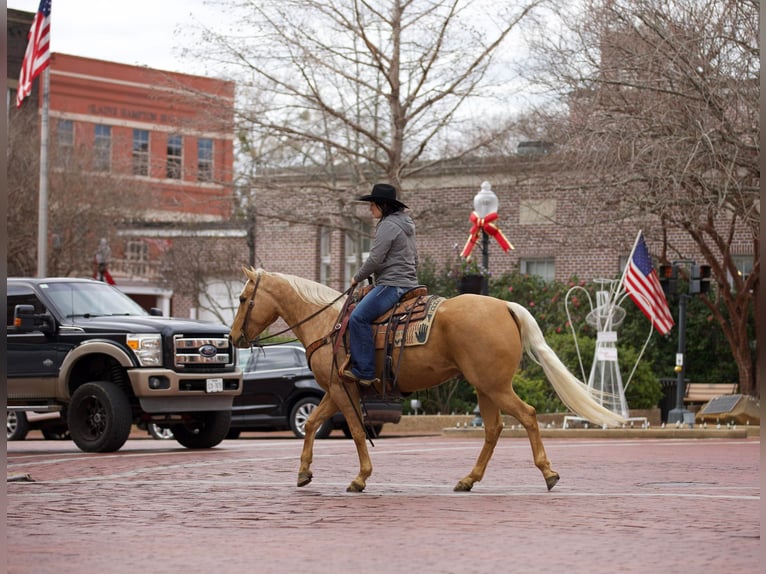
column 419, row 327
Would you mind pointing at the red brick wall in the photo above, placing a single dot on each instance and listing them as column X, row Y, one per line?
column 585, row 240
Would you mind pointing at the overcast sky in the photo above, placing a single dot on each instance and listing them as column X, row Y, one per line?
column 137, row 32
column 151, row 32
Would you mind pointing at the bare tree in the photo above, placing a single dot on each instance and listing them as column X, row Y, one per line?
column 190, row 276
column 23, row 178
column 83, row 205
column 663, row 99
column 376, row 88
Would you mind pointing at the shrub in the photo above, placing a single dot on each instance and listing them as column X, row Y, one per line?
column 708, row 356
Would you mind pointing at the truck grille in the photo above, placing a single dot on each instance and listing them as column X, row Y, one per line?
column 201, row 353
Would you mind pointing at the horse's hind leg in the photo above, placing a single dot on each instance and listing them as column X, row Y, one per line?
column 527, row 416
column 490, row 414
column 324, row 410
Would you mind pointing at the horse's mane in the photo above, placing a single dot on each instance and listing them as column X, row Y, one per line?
column 311, row 291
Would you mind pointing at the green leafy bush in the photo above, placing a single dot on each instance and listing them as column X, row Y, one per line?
column 708, row 356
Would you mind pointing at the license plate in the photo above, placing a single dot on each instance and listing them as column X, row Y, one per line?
column 214, row 385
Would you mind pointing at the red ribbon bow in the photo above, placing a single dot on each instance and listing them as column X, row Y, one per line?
column 488, row 225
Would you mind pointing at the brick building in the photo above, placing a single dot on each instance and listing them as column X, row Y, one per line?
column 161, row 140
column 554, row 218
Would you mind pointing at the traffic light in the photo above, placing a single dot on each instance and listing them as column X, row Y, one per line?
column 700, row 279
column 668, row 279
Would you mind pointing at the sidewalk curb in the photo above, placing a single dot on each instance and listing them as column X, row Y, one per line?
column 666, row 433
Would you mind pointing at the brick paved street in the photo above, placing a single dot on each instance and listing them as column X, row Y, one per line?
column 622, row 506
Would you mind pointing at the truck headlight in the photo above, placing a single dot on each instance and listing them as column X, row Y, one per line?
column 148, row 349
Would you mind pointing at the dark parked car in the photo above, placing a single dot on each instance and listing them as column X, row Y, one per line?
column 19, row 423
column 279, row 393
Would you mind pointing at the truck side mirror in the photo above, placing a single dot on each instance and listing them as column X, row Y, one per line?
column 155, row 312
column 25, row 319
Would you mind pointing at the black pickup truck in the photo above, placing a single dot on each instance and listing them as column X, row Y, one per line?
column 85, row 349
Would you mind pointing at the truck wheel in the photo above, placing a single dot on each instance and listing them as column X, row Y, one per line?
column 16, row 425
column 99, row 417
column 206, row 431
column 300, row 413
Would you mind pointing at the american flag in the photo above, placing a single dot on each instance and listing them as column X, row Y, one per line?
column 643, row 286
column 38, row 54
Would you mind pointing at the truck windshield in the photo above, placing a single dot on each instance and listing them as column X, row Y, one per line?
column 89, row 300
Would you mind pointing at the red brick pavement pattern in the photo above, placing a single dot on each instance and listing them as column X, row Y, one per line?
column 622, row 506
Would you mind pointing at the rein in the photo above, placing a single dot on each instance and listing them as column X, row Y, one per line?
column 258, row 341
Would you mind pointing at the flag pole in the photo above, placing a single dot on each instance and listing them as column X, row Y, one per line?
column 627, row 264
column 42, row 214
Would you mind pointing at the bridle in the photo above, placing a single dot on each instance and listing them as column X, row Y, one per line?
column 258, row 341
column 250, row 304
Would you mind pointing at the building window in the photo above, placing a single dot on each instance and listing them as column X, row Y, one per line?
column 140, row 152
column 543, row 268
column 358, row 245
column 175, row 157
column 205, row 159
column 744, row 265
column 325, row 258
column 137, row 258
column 537, row 211
column 102, row 148
column 64, row 142
column 623, row 262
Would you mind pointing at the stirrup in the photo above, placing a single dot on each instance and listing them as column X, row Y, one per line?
column 344, row 366
column 348, row 375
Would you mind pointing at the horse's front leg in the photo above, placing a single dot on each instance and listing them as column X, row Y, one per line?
column 493, row 426
column 347, row 399
column 324, row 410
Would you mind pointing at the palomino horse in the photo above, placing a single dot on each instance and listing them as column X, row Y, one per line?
column 480, row 337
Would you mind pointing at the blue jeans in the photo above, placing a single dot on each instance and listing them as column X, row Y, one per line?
column 379, row 300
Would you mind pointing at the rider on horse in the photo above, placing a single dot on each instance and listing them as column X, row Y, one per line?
column 392, row 263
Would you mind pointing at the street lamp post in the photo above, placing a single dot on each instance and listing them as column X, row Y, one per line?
column 484, row 203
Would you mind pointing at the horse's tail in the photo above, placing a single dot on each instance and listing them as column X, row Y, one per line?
column 572, row 392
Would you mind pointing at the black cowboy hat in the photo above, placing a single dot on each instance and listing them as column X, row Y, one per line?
column 383, row 193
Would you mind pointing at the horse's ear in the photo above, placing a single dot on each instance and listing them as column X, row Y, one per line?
column 249, row 271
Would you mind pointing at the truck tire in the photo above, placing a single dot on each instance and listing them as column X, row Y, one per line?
column 300, row 413
column 208, row 430
column 17, row 425
column 99, row 417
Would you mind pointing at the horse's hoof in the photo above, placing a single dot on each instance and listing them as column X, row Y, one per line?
column 463, row 487
column 552, row 480
column 355, row 487
column 304, row 478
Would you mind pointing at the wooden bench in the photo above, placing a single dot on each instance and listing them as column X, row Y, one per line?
column 703, row 392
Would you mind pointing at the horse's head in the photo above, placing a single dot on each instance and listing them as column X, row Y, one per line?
column 252, row 318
